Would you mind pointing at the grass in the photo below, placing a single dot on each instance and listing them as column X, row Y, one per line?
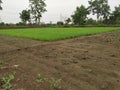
column 6, row 82
column 51, row 34
column 54, row 84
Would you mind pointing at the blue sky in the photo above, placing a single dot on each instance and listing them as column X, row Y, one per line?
column 56, row 9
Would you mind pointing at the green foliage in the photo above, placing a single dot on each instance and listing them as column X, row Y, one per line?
column 0, row 4
column 100, row 8
column 1, row 65
column 37, row 7
column 54, row 84
column 40, row 79
column 60, row 23
column 67, row 21
column 51, row 34
column 1, row 62
column 80, row 15
column 115, row 16
column 91, row 22
column 6, row 81
column 25, row 16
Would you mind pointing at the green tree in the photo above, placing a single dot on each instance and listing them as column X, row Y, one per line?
column 37, row 8
column 25, row 16
column 0, row 4
column 91, row 21
column 100, row 8
column 80, row 15
column 115, row 16
column 67, row 21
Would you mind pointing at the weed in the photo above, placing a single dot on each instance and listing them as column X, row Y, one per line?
column 6, row 81
column 2, row 67
column 1, row 62
column 40, row 79
column 55, row 83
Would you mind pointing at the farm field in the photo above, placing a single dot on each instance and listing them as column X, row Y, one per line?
column 51, row 34
column 81, row 63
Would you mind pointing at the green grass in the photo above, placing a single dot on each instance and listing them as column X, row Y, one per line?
column 51, row 34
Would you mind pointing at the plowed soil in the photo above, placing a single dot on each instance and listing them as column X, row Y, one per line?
column 85, row 63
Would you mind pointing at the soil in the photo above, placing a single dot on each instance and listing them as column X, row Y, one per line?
column 84, row 63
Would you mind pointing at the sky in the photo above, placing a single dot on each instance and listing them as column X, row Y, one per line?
column 56, row 9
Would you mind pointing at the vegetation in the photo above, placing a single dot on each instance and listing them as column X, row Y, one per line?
column 100, row 8
column 6, row 81
column 0, row 4
column 54, row 84
column 115, row 16
column 51, row 34
column 2, row 65
column 37, row 7
column 80, row 15
column 25, row 16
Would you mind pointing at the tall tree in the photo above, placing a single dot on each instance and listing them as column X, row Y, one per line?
column 37, row 8
column 25, row 16
column 100, row 8
column 80, row 15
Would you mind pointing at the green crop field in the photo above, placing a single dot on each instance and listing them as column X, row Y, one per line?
column 51, row 34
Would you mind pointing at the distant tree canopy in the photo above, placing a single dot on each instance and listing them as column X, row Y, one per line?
column 115, row 16
column 25, row 16
column 67, row 21
column 80, row 15
column 37, row 7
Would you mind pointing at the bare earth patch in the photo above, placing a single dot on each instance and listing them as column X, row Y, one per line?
column 85, row 63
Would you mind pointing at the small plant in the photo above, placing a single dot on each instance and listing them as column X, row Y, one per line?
column 2, row 67
column 1, row 62
column 55, row 83
column 6, row 81
column 40, row 79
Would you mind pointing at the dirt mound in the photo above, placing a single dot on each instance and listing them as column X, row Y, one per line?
column 85, row 63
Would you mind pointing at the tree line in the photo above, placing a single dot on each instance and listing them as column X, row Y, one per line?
column 99, row 8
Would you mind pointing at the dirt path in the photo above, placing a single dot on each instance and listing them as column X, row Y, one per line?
column 85, row 63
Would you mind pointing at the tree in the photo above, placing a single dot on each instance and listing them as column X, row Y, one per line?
column 67, row 21
column 0, row 4
column 80, row 15
column 60, row 23
column 91, row 21
column 115, row 16
column 37, row 8
column 100, row 8
column 25, row 16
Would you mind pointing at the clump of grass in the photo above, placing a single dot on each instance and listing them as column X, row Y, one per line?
column 1, row 65
column 1, row 62
column 54, row 84
column 6, row 81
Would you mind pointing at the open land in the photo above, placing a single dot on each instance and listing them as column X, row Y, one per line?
column 81, row 63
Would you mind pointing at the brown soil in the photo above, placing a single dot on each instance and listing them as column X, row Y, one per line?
column 85, row 63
